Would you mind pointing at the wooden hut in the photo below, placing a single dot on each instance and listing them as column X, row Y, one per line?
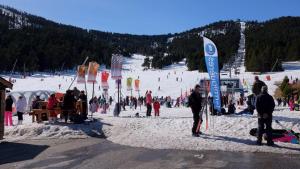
column 3, row 85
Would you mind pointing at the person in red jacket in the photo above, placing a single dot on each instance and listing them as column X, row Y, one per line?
column 156, row 107
column 149, row 103
column 52, row 103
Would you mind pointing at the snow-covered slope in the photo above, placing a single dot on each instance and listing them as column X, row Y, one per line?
column 16, row 19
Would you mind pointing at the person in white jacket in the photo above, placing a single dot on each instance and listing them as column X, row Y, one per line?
column 21, row 108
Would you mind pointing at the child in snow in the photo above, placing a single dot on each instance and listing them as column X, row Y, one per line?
column 156, row 106
column 21, row 108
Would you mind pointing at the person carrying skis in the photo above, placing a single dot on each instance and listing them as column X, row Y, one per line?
column 156, row 107
column 195, row 102
column 265, row 106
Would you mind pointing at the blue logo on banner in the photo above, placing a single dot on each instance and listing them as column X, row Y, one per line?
column 210, row 49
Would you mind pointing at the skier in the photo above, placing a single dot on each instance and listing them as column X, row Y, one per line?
column 265, row 106
column 21, row 108
column 156, row 107
column 8, row 110
column 195, row 102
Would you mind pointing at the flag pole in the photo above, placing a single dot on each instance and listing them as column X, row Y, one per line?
column 13, row 69
column 119, row 106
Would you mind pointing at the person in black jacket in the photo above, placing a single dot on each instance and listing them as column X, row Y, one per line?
column 68, row 104
column 257, row 85
column 83, row 98
column 195, row 102
column 265, row 106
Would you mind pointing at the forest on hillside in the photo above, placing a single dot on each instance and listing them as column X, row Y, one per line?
column 43, row 45
column 272, row 42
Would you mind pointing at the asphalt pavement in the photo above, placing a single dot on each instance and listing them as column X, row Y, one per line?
column 98, row 153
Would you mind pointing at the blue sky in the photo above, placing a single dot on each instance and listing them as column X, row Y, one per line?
column 153, row 16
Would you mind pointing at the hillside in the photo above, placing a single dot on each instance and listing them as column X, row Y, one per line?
column 44, row 45
column 271, row 41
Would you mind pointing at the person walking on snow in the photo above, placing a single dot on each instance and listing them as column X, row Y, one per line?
column 265, row 106
column 156, row 107
column 149, row 103
column 195, row 102
column 8, row 110
column 21, row 108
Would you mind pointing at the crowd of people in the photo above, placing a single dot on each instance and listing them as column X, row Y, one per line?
column 66, row 104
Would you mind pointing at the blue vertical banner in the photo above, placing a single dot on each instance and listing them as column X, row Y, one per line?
column 212, row 65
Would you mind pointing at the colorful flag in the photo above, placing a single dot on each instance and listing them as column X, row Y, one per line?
column 104, row 78
column 129, row 83
column 81, row 74
column 212, row 65
column 137, row 85
column 92, row 72
column 116, row 67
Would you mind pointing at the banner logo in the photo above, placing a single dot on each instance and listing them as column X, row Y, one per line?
column 210, row 49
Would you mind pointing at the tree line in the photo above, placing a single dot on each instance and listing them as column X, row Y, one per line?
column 44, row 45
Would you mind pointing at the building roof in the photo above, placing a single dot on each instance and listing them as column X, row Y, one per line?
column 5, row 84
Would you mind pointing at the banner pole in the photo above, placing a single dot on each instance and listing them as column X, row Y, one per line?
column 140, row 100
column 119, row 106
column 87, row 101
column 13, row 69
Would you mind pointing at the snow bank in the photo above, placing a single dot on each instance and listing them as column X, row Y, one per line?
column 45, row 130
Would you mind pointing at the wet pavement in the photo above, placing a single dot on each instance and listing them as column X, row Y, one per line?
column 100, row 153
